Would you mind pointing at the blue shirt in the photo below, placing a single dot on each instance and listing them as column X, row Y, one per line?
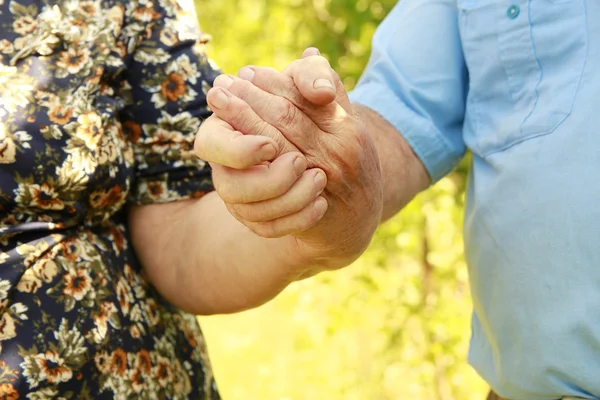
column 518, row 83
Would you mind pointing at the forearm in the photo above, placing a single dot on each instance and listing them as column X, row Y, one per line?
column 201, row 259
column 204, row 261
column 402, row 173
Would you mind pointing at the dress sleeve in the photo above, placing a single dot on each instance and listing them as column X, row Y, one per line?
column 168, row 75
column 417, row 80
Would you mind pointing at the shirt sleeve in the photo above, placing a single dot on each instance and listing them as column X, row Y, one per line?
column 168, row 75
column 417, row 80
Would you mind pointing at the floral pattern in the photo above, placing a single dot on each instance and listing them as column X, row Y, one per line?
column 99, row 104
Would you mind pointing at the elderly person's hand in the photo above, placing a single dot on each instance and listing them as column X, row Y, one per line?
column 290, row 156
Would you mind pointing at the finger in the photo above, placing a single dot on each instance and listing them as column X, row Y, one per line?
column 217, row 142
column 326, row 117
column 240, row 116
column 261, row 182
column 311, row 51
column 307, row 73
column 304, row 191
column 313, row 79
column 276, row 110
column 247, row 73
column 314, row 70
column 274, row 82
column 341, row 94
column 315, row 84
column 298, row 222
column 342, row 97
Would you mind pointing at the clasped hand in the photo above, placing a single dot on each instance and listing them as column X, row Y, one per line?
column 291, row 157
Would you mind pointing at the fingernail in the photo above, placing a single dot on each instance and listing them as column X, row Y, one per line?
column 319, row 180
column 268, row 152
column 219, row 99
column 299, row 165
column 323, row 83
column 246, row 74
column 223, row 81
column 320, row 206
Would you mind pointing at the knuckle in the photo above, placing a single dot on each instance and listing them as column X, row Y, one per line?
column 298, row 62
column 313, row 63
column 228, row 190
column 291, row 91
column 238, row 109
column 240, row 157
column 295, row 66
column 282, row 141
column 256, row 127
column 321, row 61
column 220, row 78
column 336, row 175
column 285, row 113
column 241, row 88
column 224, row 191
column 265, row 78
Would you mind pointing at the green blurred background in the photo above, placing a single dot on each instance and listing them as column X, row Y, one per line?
column 393, row 326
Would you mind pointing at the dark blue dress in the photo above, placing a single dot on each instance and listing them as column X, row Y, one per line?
column 99, row 105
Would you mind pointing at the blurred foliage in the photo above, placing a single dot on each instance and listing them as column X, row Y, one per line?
column 395, row 325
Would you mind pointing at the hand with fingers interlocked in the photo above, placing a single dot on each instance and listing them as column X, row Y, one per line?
column 290, row 156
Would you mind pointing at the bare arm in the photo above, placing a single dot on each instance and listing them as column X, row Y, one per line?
column 402, row 173
column 204, row 261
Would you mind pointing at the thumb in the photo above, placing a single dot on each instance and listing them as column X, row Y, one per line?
column 316, row 80
column 311, row 51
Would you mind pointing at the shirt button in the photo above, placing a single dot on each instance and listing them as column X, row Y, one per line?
column 513, row 11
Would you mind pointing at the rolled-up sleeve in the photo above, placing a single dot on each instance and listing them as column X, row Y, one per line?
column 417, row 80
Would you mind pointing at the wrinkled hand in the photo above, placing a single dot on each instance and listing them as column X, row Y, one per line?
column 287, row 147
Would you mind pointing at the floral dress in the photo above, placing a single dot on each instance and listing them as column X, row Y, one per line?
column 99, row 104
